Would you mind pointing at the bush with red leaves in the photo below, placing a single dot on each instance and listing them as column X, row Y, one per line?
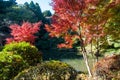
column 108, row 67
column 25, row 32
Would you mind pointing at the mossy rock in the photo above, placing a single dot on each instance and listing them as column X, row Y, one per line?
column 50, row 70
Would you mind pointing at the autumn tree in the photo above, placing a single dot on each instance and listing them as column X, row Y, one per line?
column 25, row 32
column 83, row 20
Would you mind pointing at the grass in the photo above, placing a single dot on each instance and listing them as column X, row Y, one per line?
column 78, row 64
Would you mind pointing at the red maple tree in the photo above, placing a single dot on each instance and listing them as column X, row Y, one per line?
column 25, row 32
column 80, row 19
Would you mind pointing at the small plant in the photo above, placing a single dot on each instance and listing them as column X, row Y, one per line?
column 28, row 52
column 10, row 65
column 51, row 70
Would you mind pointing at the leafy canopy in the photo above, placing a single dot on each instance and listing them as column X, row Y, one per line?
column 82, row 20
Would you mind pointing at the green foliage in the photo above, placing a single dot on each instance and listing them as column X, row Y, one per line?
column 47, row 13
column 22, row 12
column 10, row 65
column 35, row 8
column 51, row 70
column 1, row 48
column 28, row 52
column 113, row 46
column 15, row 57
column 113, row 26
column 19, row 14
column 5, row 4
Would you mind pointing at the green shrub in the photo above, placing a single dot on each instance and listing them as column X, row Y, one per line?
column 51, row 70
column 28, row 52
column 10, row 65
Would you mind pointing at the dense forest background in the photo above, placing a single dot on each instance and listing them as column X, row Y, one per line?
column 14, row 13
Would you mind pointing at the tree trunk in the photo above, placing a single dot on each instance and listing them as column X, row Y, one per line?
column 84, row 53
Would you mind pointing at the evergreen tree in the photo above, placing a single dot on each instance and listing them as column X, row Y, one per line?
column 35, row 8
column 4, row 5
column 47, row 13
